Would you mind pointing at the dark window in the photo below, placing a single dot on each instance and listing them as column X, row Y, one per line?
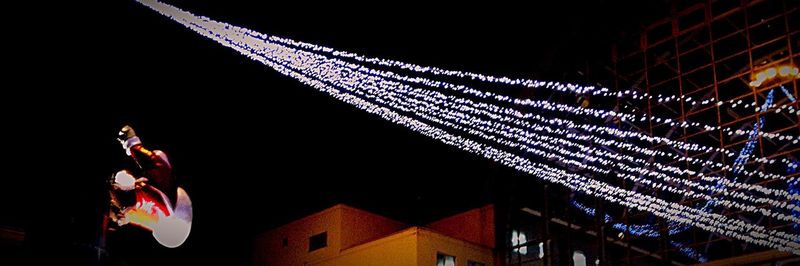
column 445, row 260
column 474, row 263
column 285, row 242
column 318, row 241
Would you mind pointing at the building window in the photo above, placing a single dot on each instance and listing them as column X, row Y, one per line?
column 518, row 241
column 285, row 242
column 541, row 250
column 445, row 260
column 318, row 241
column 474, row 263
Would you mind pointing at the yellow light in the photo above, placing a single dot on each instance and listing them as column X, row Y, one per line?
column 783, row 71
column 761, row 77
column 771, row 72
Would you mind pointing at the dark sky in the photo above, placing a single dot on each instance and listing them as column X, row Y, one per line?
column 254, row 148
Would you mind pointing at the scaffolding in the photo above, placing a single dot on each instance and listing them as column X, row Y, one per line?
column 713, row 49
column 704, row 49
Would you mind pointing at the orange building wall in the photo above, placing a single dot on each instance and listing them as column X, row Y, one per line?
column 345, row 226
column 357, row 237
column 475, row 226
column 360, row 226
column 269, row 246
column 399, row 249
column 410, row 247
column 430, row 243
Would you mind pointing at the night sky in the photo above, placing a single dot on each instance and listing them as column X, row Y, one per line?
column 256, row 149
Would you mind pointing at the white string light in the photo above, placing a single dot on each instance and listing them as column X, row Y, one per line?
column 242, row 33
column 782, row 71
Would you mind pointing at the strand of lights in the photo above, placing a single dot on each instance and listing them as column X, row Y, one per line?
column 622, row 116
column 650, row 230
column 675, row 156
column 689, row 251
column 794, row 187
column 571, row 87
column 674, row 143
column 244, row 32
column 694, row 147
column 597, row 113
column 748, row 147
column 712, row 222
column 788, row 95
column 561, row 172
column 533, row 139
column 563, row 87
column 646, row 230
column 414, row 108
column 678, row 144
column 330, row 69
column 777, row 72
column 329, row 65
column 783, row 71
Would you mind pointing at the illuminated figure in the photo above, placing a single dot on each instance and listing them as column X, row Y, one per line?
column 153, row 202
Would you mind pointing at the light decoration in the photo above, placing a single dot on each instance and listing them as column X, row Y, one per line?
column 787, row 71
column 772, row 73
column 744, row 155
column 647, row 230
column 794, row 187
column 650, row 230
column 580, row 109
column 689, row 251
column 537, row 152
column 538, row 104
column 499, row 133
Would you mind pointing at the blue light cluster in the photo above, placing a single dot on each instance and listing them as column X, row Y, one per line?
column 788, row 94
column 689, row 251
column 647, row 230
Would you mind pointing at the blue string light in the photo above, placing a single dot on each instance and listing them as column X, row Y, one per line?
column 744, row 155
column 788, row 94
column 647, row 230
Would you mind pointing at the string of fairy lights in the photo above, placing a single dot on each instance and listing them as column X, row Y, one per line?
column 768, row 73
column 764, row 75
column 560, row 151
column 547, row 106
column 490, row 130
column 535, row 136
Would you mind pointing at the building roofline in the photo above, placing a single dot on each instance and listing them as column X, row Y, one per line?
column 413, row 230
column 337, row 206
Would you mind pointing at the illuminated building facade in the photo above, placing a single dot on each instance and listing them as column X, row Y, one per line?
column 343, row 235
